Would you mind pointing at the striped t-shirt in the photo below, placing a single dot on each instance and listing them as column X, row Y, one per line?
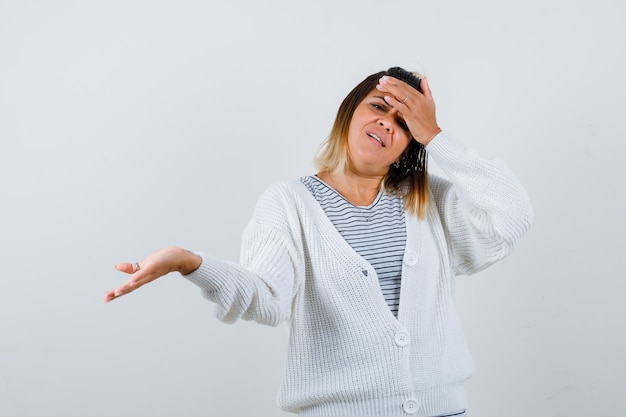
column 376, row 232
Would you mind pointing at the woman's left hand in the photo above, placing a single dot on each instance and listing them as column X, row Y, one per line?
column 417, row 109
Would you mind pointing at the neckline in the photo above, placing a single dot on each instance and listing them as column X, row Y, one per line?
column 367, row 207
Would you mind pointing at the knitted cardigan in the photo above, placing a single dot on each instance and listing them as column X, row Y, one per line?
column 348, row 356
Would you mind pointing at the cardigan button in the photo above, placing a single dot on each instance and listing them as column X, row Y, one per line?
column 402, row 338
column 410, row 258
column 410, row 406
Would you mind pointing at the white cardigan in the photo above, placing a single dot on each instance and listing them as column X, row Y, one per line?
column 348, row 356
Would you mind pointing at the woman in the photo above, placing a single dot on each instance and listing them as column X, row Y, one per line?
column 360, row 259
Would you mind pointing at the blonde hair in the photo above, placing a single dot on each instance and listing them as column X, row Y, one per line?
column 410, row 178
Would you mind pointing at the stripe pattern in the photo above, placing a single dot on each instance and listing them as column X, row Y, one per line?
column 376, row 232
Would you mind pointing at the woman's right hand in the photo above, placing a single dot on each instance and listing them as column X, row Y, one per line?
column 154, row 266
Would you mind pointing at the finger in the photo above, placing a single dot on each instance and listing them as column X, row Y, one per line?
column 110, row 296
column 397, row 103
column 394, row 82
column 390, row 85
column 131, row 285
column 118, row 292
column 128, row 267
column 128, row 287
column 426, row 88
column 397, row 87
column 125, row 267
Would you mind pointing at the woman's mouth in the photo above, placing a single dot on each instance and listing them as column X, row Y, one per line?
column 376, row 138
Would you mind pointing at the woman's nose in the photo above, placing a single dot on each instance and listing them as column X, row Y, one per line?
column 385, row 124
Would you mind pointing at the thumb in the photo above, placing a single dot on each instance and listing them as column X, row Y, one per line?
column 426, row 88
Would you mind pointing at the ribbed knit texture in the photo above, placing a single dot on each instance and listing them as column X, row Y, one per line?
column 348, row 356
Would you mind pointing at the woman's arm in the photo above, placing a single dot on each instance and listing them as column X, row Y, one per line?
column 484, row 208
column 261, row 286
column 258, row 288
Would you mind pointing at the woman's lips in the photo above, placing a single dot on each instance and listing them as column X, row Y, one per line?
column 376, row 138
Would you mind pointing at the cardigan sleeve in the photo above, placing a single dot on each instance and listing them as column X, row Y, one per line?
column 261, row 286
column 484, row 209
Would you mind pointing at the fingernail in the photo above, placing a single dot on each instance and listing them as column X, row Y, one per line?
column 387, row 99
column 383, row 79
column 380, row 87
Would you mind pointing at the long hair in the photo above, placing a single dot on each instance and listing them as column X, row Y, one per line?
column 409, row 177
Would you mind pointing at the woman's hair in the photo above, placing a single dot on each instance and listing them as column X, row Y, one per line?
column 409, row 177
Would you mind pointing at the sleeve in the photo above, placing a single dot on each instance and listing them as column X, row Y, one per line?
column 484, row 209
column 262, row 285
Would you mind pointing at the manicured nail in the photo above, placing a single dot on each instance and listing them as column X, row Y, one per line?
column 383, row 79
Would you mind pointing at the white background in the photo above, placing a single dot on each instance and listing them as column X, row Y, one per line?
column 130, row 125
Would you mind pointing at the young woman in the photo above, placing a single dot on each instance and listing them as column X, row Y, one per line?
column 360, row 259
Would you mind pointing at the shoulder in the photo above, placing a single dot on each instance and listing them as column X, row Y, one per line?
column 281, row 197
column 285, row 207
column 283, row 189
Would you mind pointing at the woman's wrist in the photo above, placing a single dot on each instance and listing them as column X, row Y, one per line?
column 431, row 136
column 189, row 262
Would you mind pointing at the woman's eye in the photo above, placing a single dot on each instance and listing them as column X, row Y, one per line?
column 377, row 106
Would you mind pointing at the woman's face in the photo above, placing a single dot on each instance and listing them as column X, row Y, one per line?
column 377, row 135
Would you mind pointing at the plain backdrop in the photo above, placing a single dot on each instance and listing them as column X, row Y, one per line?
column 126, row 126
